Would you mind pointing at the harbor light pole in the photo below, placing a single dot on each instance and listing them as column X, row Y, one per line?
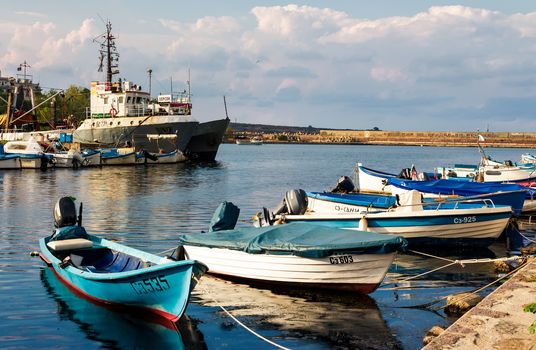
column 150, row 72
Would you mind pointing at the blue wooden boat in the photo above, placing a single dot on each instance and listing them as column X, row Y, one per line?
column 520, row 198
column 118, row 156
column 114, row 274
column 356, row 202
column 479, row 223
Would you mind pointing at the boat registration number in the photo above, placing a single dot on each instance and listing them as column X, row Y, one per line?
column 341, row 259
column 465, row 220
column 150, row 285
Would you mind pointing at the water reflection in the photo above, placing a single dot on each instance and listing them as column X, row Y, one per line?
column 331, row 318
column 119, row 330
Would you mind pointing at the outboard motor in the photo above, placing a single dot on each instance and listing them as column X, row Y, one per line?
column 423, row 177
column 405, row 174
column 225, row 217
column 147, row 155
column 344, row 185
column 65, row 220
column 65, row 213
column 294, row 203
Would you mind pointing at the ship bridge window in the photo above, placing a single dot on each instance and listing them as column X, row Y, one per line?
column 138, row 99
column 106, row 100
column 121, row 99
column 128, row 99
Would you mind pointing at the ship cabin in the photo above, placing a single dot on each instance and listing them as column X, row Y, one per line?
column 125, row 99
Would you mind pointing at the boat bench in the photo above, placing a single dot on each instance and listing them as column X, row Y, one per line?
column 70, row 244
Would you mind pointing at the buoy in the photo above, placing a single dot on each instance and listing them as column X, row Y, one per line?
column 363, row 224
column 432, row 334
column 461, row 303
column 34, row 253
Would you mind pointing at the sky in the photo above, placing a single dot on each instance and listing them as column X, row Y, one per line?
column 396, row 65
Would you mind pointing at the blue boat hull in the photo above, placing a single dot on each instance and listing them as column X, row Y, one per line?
column 162, row 288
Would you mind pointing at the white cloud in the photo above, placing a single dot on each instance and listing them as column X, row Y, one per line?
column 433, row 65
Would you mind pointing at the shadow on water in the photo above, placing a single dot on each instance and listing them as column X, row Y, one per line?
column 334, row 319
column 117, row 330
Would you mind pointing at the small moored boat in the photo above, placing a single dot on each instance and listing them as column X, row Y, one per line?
column 114, row 274
column 118, row 156
column 299, row 255
column 453, row 223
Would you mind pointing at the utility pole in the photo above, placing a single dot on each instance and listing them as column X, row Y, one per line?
column 150, row 72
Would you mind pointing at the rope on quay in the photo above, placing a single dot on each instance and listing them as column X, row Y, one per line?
column 240, row 323
column 462, row 263
column 484, row 287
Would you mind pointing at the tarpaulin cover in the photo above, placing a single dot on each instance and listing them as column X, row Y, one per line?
column 300, row 239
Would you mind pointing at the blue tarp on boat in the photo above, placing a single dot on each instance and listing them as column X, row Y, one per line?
column 298, row 239
column 460, row 188
column 362, row 199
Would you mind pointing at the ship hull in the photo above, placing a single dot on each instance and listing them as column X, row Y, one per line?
column 104, row 135
column 206, row 140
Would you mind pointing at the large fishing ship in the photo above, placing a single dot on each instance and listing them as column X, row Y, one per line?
column 121, row 113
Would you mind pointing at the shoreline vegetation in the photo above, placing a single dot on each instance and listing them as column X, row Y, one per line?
column 311, row 135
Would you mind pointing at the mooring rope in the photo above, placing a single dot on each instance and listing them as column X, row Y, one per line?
column 166, row 251
column 484, row 287
column 462, row 263
column 522, row 235
column 240, row 323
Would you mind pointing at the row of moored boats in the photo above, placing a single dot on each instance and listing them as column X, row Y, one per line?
column 38, row 154
column 345, row 239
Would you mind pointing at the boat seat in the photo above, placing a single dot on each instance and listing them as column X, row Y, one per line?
column 70, row 244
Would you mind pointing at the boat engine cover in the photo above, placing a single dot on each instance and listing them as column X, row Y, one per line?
column 64, row 212
column 225, row 217
column 344, row 185
column 296, row 201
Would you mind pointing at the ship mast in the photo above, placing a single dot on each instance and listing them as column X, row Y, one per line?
column 108, row 53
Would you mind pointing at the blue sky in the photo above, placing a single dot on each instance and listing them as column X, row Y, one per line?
column 396, row 65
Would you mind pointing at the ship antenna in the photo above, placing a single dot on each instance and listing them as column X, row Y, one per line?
column 225, row 105
column 108, row 53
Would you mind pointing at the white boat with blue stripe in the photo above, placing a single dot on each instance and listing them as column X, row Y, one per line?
column 470, row 224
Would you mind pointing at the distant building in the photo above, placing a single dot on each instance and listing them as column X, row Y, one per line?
column 5, row 83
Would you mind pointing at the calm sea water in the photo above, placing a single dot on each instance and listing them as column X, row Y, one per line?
column 147, row 207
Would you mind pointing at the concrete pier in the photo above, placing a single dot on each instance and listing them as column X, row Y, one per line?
column 498, row 322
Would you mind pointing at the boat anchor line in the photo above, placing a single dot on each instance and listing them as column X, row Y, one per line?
column 223, row 308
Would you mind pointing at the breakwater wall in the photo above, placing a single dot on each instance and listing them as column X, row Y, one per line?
column 427, row 138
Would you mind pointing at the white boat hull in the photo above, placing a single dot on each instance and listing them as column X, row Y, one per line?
column 478, row 226
column 92, row 160
column 367, row 182
column 166, row 158
column 504, row 173
column 32, row 163
column 356, row 272
column 61, row 160
column 10, row 163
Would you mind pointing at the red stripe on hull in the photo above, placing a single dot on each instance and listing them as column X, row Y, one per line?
column 363, row 288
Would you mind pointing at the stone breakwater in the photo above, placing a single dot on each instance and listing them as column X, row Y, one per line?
column 498, row 322
column 425, row 138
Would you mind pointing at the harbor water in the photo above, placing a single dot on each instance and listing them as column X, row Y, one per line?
column 147, row 207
